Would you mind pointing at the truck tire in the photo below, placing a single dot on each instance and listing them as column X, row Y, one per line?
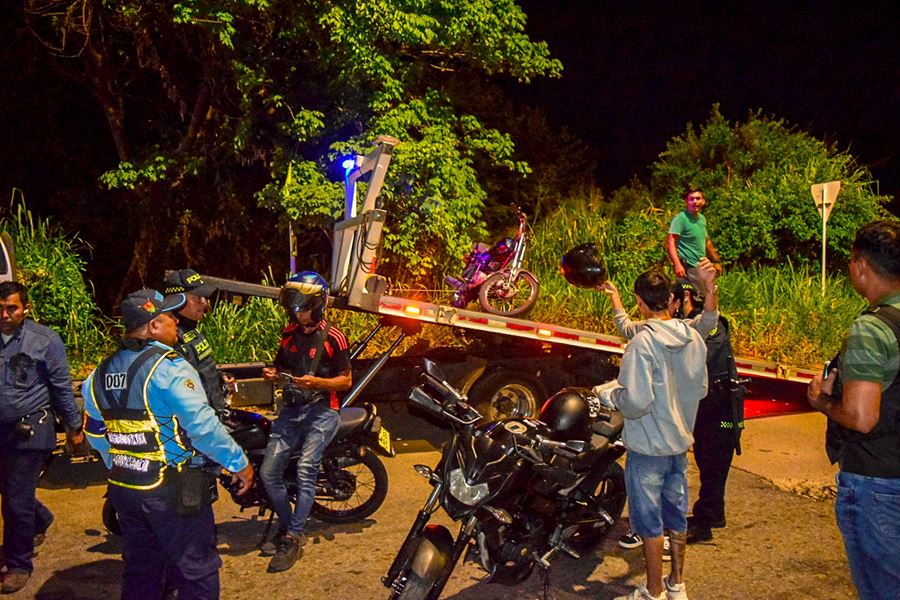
column 506, row 393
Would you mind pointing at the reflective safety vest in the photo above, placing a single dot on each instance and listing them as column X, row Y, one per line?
column 132, row 430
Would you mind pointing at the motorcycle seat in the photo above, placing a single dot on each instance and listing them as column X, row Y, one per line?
column 352, row 417
column 587, row 459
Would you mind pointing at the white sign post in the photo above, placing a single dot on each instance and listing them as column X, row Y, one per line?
column 825, row 195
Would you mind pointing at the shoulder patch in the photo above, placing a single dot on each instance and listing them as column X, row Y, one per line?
column 189, row 383
column 172, row 355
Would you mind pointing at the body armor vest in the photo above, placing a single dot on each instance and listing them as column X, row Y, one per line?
column 877, row 453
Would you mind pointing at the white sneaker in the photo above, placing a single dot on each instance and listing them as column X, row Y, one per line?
column 675, row 591
column 641, row 593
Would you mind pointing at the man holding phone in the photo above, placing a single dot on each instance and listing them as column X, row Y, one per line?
column 313, row 363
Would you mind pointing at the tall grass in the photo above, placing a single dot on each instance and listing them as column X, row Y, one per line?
column 780, row 313
column 776, row 313
column 50, row 266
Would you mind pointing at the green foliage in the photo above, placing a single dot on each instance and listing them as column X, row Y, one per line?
column 50, row 267
column 756, row 176
column 255, row 98
column 780, row 314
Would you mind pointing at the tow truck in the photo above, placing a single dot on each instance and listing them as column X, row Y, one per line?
column 508, row 365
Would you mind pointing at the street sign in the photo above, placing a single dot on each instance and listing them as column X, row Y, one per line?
column 825, row 195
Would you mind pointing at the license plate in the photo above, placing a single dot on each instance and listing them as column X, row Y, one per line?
column 384, row 440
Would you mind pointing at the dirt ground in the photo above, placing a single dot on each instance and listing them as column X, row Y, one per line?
column 777, row 545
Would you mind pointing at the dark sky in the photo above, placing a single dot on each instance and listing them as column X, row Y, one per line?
column 637, row 72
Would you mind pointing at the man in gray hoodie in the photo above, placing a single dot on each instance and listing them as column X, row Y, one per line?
column 661, row 381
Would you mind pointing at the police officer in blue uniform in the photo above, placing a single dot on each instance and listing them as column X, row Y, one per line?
column 191, row 343
column 149, row 418
column 35, row 385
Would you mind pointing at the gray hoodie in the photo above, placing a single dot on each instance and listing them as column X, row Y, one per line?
column 663, row 378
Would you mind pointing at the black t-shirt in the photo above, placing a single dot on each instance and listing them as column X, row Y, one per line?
column 297, row 351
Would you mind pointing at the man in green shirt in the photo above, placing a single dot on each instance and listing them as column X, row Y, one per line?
column 688, row 240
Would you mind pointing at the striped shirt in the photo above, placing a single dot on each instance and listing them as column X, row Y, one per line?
column 870, row 352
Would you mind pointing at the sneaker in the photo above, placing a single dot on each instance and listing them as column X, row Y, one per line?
column 630, row 540
column 289, row 550
column 674, row 591
column 641, row 593
column 14, row 581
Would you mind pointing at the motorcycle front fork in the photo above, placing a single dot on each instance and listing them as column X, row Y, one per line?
column 462, row 541
column 418, row 526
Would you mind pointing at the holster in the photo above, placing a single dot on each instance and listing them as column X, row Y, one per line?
column 194, row 490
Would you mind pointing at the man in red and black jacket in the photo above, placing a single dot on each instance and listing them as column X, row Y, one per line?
column 313, row 363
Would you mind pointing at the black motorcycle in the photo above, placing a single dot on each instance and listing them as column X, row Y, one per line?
column 522, row 490
column 352, row 482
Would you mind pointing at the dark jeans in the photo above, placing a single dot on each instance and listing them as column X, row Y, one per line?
column 23, row 514
column 160, row 544
column 311, row 427
column 713, row 450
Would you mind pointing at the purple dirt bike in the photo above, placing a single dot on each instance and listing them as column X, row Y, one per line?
column 495, row 276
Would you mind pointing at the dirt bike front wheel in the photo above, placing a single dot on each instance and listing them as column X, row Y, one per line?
column 501, row 296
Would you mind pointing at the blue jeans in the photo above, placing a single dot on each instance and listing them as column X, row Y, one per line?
column 868, row 515
column 160, row 545
column 23, row 515
column 312, row 427
column 657, row 493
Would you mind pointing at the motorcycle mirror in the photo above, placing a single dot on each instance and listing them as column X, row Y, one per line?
column 432, row 369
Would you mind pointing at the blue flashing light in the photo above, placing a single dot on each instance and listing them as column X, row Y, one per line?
column 348, row 163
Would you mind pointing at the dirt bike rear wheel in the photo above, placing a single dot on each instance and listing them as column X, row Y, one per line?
column 358, row 487
column 499, row 296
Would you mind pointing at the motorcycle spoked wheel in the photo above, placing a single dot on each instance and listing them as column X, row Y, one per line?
column 356, row 488
column 607, row 487
column 499, row 296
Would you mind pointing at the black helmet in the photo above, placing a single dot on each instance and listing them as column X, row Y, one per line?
column 583, row 267
column 568, row 414
column 307, row 290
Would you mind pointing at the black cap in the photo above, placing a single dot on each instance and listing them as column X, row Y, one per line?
column 188, row 281
column 142, row 306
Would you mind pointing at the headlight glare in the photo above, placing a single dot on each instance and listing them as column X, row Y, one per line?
column 465, row 493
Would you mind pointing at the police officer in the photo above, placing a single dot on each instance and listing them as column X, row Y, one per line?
column 149, row 419
column 35, row 385
column 720, row 420
column 191, row 343
column 314, row 361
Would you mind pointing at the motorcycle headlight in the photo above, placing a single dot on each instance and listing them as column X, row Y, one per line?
column 465, row 493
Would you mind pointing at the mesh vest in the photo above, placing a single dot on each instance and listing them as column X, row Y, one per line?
column 119, row 388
